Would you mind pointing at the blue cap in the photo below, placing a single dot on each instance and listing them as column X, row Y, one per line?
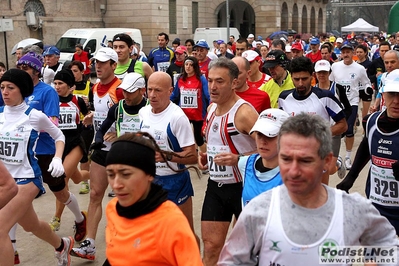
column 315, row 41
column 220, row 41
column 202, row 43
column 51, row 50
column 260, row 37
column 346, row 45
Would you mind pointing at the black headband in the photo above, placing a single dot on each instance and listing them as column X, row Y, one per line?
column 133, row 154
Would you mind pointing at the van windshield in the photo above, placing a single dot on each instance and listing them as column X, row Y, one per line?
column 67, row 45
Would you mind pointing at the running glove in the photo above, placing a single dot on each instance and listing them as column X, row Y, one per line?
column 56, row 168
column 395, row 169
column 97, row 146
column 347, row 183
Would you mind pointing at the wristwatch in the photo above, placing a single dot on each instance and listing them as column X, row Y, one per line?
column 169, row 157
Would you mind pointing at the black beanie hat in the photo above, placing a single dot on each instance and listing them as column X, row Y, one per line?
column 66, row 76
column 21, row 79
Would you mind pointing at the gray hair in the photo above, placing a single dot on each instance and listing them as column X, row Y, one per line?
column 31, row 48
column 309, row 126
column 223, row 62
column 393, row 52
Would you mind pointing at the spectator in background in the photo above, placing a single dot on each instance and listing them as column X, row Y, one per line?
column 315, row 54
column 241, row 46
column 297, row 50
column 224, row 52
column 2, row 69
column 278, row 44
column 176, row 68
column 83, row 57
column 189, row 45
column 175, row 43
column 141, row 55
column 52, row 65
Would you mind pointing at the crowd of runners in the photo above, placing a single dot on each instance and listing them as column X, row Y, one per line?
column 252, row 115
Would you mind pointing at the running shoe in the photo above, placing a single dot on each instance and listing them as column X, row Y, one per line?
column 55, row 223
column 111, row 194
column 341, row 171
column 80, row 228
column 85, row 251
column 348, row 163
column 84, row 187
column 16, row 258
column 63, row 257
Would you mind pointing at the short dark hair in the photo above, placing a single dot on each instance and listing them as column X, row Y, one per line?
column 2, row 65
column 165, row 35
column 363, row 47
column 385, row 43
column 278, row 42
column 326, row 46
column 78, row 64
column 190, row 41
column 300, row 64
column 242, row 40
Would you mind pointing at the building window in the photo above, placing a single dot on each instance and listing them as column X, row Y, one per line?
column 172, row 17
column 194, row 15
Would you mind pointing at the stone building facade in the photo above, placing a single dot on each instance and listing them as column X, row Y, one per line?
column 179, row 18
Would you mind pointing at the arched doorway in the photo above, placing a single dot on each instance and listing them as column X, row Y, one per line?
column 313, row 21
column 284, row 16
column 242, row 16
column 295, row 18
column 36, row 7
column 320, row 21
column 304, row 20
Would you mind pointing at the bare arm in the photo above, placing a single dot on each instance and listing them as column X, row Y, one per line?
column 8, row 187
column 188, row 156
column 147, row 70
column 340, row 127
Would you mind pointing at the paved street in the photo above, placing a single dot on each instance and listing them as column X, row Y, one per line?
column 36, row 252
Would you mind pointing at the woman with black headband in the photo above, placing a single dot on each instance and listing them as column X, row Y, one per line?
column 143, row 227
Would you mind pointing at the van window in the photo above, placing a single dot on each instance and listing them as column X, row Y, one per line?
column 67, row 45
column 91, row 46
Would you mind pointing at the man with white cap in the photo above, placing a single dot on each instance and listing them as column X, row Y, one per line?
column 105, row 94
column 260, row 170
column 255, row 78
column 379, row 147
column 312, row 100
column 250, row 38
column 337, row 48
column 125, row 113
column 257, row 98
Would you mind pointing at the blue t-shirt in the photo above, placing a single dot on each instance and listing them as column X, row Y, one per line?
column 44, row 98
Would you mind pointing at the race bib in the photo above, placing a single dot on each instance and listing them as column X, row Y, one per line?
column 163, row 66
column 188, row 98
column 98, row 119
column 218, row 172
column 383, row 187
column 67, row 118
column 12, row 148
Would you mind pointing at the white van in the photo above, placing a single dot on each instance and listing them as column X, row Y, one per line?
column 211, row 34
column 92, row 39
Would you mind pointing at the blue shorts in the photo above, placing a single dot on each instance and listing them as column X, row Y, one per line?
column 38, row 181
column 178, row 186
column 351, row 122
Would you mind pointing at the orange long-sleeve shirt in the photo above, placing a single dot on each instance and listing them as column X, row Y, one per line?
column 162, row 237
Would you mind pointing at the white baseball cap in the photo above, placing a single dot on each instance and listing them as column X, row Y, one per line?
column 269, row 122
column 251, row 36
column 340, row 40
column 322, row 65
column 105, row 54
column 132, row 82
column 251, row 55
column 391, row 83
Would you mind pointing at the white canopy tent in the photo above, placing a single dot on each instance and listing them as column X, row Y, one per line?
column 360, row 25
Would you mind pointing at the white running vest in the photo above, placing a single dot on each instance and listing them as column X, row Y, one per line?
column 278, row 249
